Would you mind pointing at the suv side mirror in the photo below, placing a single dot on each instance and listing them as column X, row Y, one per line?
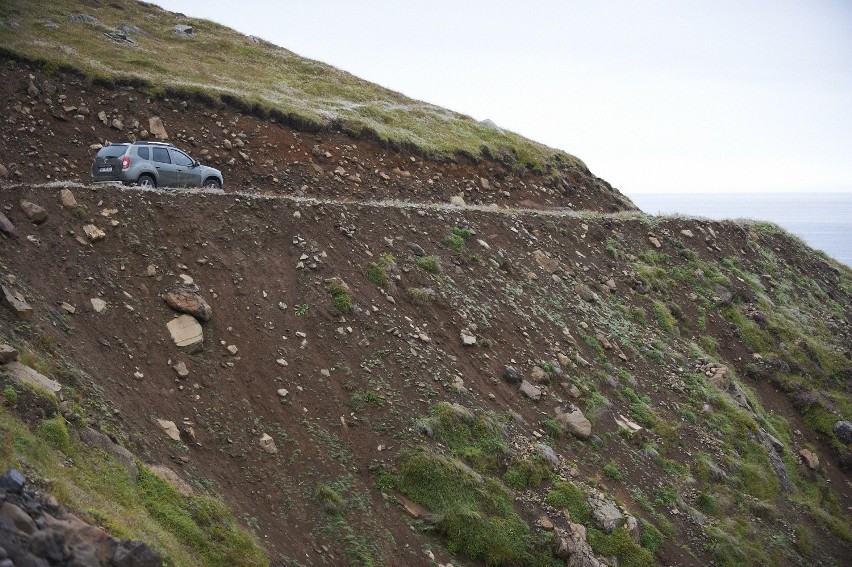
column 195, row 163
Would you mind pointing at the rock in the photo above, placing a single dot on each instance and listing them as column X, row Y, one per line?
column 25, row 374
column 627, row 425
column 181, row 369
column 573, row 547
column 7, row 354
column 117, row 124
column 282, row 393
column 7, row 228
column 810, row 459
column 268, row 444
column 32, row 90
column 538, row 375
column 723, row 294
column 530, row 391
column 93, row 233
column 13, row 481
column 4, row 173
column 186, row 333
column 605, row 514
column 544, row 523
column 98, row 304
column 135, row 554
column 183, row 29
column 16, row 303
column 415, row 248
column 36, row 213
column 99, row 440
column 457, row 201
column 66, row 199
column 467, row 338
column 586, row 293
column 20, row 519
column 227, row 144
column 188, row 300
column 546, row 262
column 232, row 349
column 842, row 429
column 548, row 454
column 169, row 428
column 687, row 233
column 511, row 375
column 575, row 422
column 654, row 241
column 156, row 127
column 170, row 476
column 102, row 117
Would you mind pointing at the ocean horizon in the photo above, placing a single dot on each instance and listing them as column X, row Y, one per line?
column 822, row 220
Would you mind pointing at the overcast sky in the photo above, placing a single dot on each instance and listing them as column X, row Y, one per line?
column 654, row 96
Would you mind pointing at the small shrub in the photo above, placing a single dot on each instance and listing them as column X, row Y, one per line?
column 420, row 295
column 620, row 545
column 526, row 473
column 340, row 296
column 301, row 310
column 612, row 471
column 10, row 394
column 566, row 495
column 55, row 432
column 430, row 264
column 651, row 538
column 804, row 541
column 664, row 317
column 455, row 239
column 378, row 272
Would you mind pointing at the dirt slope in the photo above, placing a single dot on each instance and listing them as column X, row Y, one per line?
column 705, row 356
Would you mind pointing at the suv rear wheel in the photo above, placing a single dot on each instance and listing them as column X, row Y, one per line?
column 147, row 181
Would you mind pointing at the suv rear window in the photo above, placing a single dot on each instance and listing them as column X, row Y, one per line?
column 112, row 151
column 143, row 152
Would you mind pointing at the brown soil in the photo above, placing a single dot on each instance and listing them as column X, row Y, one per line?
column 245, row 253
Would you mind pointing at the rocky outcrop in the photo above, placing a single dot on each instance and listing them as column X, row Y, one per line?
column 36, row 531
column 187, row 299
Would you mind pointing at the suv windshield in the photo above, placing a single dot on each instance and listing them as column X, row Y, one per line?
column 111, row 151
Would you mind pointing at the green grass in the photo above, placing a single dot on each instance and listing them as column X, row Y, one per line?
column 430, row 264
column 379, row 272
column 188, row 532
column 620, row 545
column 526, row 473
column 477, row 439
column 340, row 297
column 566, row 495
column 476, row 516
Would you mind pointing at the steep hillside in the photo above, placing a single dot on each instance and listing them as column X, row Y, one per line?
column 170, row 54
column 330, row 364
column 704, row 366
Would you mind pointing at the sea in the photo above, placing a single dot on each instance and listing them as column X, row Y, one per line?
column 822, row 220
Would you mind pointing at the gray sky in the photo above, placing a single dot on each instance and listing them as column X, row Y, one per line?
column 654, row 96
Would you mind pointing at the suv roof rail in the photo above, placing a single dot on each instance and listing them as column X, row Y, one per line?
column 145, row 143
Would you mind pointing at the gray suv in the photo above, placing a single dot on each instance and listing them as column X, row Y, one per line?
column 152, row 164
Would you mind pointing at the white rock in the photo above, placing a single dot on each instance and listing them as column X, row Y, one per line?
column 98, row 304
column 186, row 332
column 267, row 444
column 169, row 428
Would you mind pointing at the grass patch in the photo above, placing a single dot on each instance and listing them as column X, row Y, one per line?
column 379, row 272
column 341, row 298
column 456, row 238
column 620, row 545
column 187, row 532
column 566, row 495
column 476, row 438
column 430, row 264
column 526, row 473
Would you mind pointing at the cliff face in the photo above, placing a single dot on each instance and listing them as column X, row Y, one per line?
column 367, row 374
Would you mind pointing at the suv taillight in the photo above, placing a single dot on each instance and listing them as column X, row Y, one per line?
column 125, row 162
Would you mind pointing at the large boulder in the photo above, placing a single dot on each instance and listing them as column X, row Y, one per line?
column 843, row 430
column 36, row 213
column 156, row 127
column 25, row 375
column 7, row 227
column 188, row 300
column 605, row 514
column 511, row 375
column 16, row 303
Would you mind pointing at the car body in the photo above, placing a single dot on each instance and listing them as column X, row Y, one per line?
column 152, row 164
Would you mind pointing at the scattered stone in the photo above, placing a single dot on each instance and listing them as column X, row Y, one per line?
column 117, row 124
column 605, row 514
column 547, row 263
column 98, row 304
column 188, row 300
column 16, row 303
column 547, row 453
column 99, row 440
column 282, row 393
column 232, row 349
column 4, row 173
column 93, row 233
column 7, row 354
column 511, row 375
column 467, row 338
column 654, row 241
column 7, row 228
column 170, row 476
column 457, row 201
column 415, row 248
column 687, row 233
column 186, row 333
column 843, row 431
column 156, row 127
column 36, row 213
column 268, row 444
column 530, row 391
column 538, row 375
column 586, row 293
column 544, row 523
column 26, row 375
column 66, row 199
column 183, row 29
column 574, row 422
column 181, row 369
column 102, row 116
column 810, row 459
column 169, row 428
column 627, row 425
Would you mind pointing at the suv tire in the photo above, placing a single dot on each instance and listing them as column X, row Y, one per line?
column 212, row 183
column 146, row 180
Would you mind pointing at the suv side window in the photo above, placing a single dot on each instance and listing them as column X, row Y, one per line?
column 161, row 155
column 181, row 158
column 143, row 152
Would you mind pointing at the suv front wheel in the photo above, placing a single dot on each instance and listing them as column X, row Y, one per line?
column 212, row 183
column 146, row 181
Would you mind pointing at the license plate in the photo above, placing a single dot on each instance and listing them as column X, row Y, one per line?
column 105, row 169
